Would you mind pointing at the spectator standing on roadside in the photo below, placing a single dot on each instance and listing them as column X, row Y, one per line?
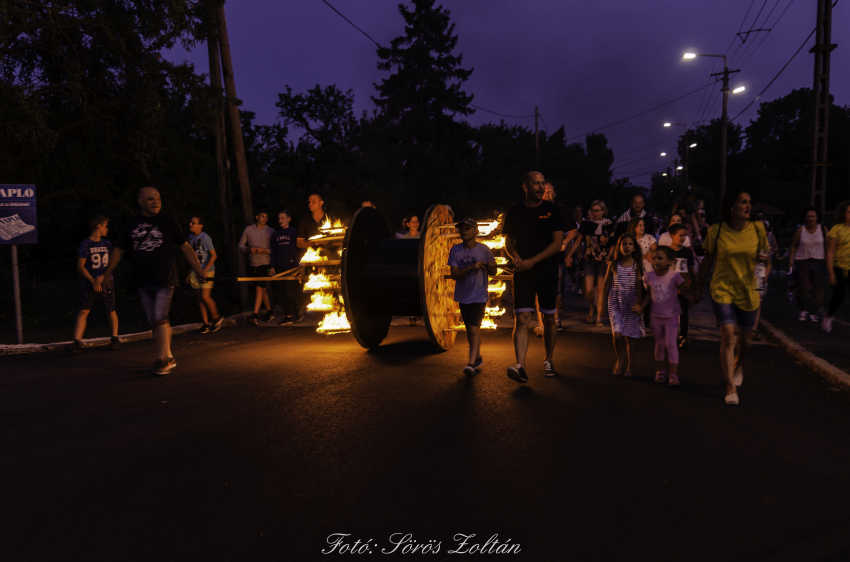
column 534, row 231
column 310, row 225
column 285, row 256
column 597, row 234
column 92, row 261
column 807, row 259
column 734, row 246
column 256, row 241
column 412, row 223
column 837, row 261
column 150, row 237
column 205, row 251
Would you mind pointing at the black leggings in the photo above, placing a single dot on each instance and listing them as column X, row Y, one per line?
column 841, row 282
column 683, row 319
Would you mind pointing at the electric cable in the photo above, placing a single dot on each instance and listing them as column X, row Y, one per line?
column 501, row 114
column 544, row 124
column 629, row 163
column 638, row 115
column 352, row 23
column 766, row 34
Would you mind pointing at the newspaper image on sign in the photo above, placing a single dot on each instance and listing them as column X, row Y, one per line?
column 18, row 219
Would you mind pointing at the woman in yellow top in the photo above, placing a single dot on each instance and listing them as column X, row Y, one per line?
column 838, row 260
column 734, row 245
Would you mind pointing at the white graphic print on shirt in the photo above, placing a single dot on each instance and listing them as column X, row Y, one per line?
column 661, row 292
column 153, row 240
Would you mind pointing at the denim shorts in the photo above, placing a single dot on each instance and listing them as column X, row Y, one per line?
column 156, row 301
column 731, row 314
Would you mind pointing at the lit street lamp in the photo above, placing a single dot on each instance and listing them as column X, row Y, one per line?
column 725, row 119
column 687, row 147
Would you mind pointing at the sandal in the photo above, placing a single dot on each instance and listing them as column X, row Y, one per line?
column 674, row 380
column 599, row 323
column 589, row 318
column 629, row 375
column 661, row 377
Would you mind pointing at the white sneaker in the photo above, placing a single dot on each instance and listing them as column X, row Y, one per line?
column 814, row 318
column 826, row 324
column 732, row 399
column 803, row 316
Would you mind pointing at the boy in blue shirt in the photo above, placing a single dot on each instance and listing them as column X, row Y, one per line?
column 202, row 244
column 471, row 263
column 285, row 256
column 92, row 259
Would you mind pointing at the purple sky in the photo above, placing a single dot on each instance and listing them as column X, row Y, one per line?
column 585, row 64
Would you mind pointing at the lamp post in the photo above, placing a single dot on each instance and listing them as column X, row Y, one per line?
column 725, row 119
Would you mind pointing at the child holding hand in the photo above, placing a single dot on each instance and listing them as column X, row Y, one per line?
column 625, row 273
column 471, row 263
column 663, row 284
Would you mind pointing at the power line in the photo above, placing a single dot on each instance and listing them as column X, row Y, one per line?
column 643, row 148
column 768, row 33
column 501, row 114
column 781, row 70
column 638, row 160
column 351, row 22
column 639, row 114
column 741, row 26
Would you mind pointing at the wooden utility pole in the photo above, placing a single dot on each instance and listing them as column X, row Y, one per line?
column 235, row 123
column 822, row 50
column 220, row 141
column 536, row 132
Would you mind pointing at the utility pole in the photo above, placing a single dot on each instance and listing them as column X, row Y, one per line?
column 536, row 132
column 725, row 119
column 822, row 50
column 235, row 123
column 220, row 141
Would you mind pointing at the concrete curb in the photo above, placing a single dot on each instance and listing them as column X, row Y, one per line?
column 818, row 366
column 98, row 342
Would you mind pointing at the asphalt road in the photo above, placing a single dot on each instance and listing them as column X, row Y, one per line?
column 265, row 441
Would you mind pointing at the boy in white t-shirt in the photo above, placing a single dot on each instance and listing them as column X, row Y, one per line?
column 471, row 264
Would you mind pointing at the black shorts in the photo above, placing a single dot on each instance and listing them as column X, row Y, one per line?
column 106, row 297
column 472, row 313
column 527, row 285
column 259, row 271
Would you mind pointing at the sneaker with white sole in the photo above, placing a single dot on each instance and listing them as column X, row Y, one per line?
column 732, row 399
column 469, row 370
column 517, row 374
column 826, row 323
column 548, row 369
column 814, row 318
column 216, row 324
column 478, row 363
column 803, row 316
column 165, row 367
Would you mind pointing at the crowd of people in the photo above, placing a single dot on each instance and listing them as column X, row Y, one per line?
column 639, row 271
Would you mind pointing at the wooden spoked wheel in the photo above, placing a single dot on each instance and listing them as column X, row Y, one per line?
column 436, row 292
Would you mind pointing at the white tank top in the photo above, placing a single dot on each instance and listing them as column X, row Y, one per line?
column 811, row 245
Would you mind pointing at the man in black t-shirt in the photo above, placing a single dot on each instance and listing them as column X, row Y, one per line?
column 309, row 225
column 150, row 238
column 534, row 231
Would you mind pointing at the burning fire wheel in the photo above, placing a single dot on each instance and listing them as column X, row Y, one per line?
column 384, row 277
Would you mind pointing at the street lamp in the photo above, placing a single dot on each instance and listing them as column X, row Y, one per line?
column 725, row 119
column 693, row 145
column 663, row 154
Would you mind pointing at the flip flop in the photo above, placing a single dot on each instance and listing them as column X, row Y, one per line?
column 589, row 318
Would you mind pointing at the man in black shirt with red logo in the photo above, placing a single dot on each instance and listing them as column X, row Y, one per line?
column 534, row 231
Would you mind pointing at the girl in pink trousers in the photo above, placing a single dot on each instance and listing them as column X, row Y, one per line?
column 662, row 283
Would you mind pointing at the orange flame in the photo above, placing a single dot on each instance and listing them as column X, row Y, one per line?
column 334, row 323
column 319, row 281
column 313, row 256
column 497, row 288
column 494, row 312
column 496, row 243
column 321, row 302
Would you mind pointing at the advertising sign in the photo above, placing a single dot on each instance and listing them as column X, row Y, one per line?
column 18, row 224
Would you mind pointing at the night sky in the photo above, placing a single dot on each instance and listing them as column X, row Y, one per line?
column 585, row 64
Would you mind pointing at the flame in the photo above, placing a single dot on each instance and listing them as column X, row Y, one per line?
column 488, row 324
column 330, row 230
column 319, row 281
column 494, row 312
column 486, row 227
column 339, row 251
column 496, row 243
column 321, row 301
column 313, row 256
column 334, row 323
column 500, row 260
column 497, row 288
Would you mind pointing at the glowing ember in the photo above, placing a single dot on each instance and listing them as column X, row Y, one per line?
column 334, row 323
column 497, row 288
column 486, row 227
column 313, row 256
column 494, row 312
column 319, row 281
column 331, row 230
column 321, row 302
column 496, row 243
